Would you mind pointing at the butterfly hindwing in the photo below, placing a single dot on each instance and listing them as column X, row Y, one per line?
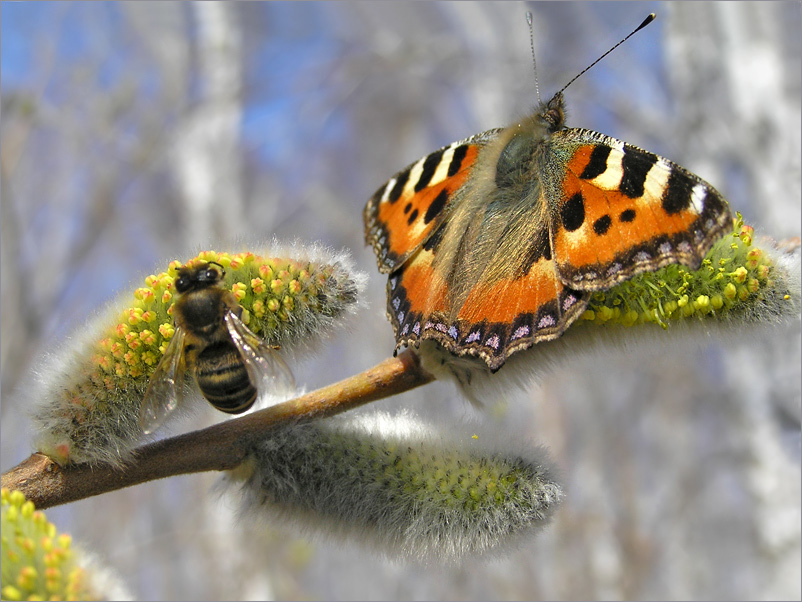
column 500, row 319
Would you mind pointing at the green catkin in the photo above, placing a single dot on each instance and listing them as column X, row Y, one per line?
column 411, row 494
column 87, row 406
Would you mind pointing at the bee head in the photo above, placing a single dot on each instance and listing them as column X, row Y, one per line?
column 199, row 277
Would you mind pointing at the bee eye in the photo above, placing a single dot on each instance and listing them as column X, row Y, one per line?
column 182, row 284
column 211, row 274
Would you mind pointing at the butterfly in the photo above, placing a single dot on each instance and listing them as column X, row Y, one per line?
column 496, row 242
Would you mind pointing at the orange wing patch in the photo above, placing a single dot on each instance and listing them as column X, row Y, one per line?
column 414, row 293
column 503, row 301
column 424, row 291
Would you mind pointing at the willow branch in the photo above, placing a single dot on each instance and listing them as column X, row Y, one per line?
column 219, row 447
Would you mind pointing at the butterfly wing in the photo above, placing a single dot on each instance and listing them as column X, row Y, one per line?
column 408, row 208
column 619, row 211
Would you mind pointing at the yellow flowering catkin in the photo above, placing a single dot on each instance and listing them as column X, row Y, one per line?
column 389, row 482
column 40, row 564
column 739, row 280
column 87, row 407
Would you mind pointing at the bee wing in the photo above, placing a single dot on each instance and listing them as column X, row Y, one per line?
column 165, row 390
column 267, row 371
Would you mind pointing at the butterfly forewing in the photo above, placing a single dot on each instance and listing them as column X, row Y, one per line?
column 408, row 208
column 620, row 211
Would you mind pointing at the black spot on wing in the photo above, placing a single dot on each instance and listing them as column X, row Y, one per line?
column 602, row 225
column 436, row 207
column 572, row 213
column 714, row 206
column 627, row 215
column 398, row 188
column 433, row 241
column 456, row 159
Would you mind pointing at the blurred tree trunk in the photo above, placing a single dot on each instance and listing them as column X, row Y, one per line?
column 207, row 146
column 744, row 39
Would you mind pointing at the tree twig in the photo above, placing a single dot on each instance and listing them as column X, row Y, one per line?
column 219, row 447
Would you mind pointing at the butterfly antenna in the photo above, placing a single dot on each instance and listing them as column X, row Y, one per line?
column 646, row 21
column 529, row 20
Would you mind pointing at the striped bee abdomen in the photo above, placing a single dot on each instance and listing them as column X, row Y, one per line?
column 223, row 378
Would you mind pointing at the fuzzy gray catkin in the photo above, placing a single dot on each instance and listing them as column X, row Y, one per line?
column 391, row 483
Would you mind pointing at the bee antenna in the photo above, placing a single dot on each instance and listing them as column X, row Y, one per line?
column 529, row 20
column 646, row 21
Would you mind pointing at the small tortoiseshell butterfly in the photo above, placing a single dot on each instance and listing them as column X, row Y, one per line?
column 496, row 242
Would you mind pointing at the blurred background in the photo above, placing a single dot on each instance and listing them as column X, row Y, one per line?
column 136, row 132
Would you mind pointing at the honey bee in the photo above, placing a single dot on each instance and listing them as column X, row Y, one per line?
column 231, row 364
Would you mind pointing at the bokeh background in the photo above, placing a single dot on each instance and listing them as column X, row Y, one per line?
column 136, row 132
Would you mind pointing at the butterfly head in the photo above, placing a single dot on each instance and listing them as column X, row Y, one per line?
column 552, row 113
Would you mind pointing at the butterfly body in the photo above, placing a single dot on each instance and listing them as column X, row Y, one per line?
column 495, row 243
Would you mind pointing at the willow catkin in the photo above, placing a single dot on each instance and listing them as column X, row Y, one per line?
column 90, row 389
column 389, row 482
